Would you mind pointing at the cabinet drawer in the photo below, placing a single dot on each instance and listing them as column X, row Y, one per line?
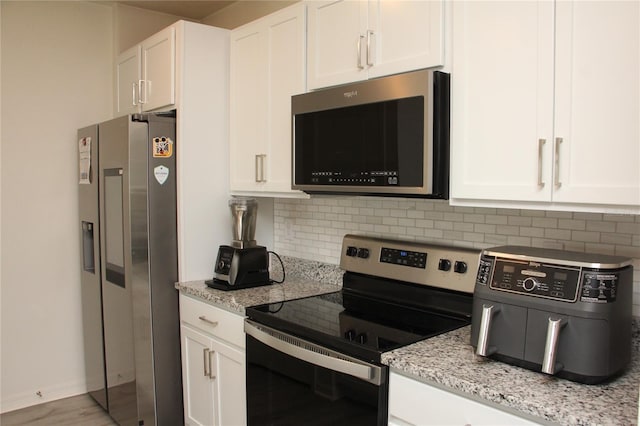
column 212, row 320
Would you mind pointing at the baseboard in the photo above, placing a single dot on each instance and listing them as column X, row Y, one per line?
column 47, row 394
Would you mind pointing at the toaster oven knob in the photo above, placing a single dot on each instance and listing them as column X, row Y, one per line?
column 529, row 284
column 361, row 338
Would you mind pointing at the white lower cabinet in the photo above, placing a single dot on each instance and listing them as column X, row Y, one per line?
column 415, row 403
column 213, row 369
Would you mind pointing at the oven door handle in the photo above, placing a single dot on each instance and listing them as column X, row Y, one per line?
column 312, row 353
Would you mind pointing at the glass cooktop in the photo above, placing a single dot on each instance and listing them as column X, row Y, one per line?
column 354, row 324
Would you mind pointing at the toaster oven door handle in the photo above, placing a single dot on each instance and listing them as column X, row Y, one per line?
column 549, row 365
column 313, row 354
column 488, row 311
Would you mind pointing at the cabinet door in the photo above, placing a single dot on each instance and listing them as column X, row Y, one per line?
column 404, row 36
column 415, row 403
column 502, row 97
column 230, row 398
column 336, row 42
column 158, row 70
column 198, row 386
column 285, row 35
column 128, row 74
column 248, row 107
column 598, row 102
column 267, row 68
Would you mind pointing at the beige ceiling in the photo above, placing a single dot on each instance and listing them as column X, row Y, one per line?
column 196, row 10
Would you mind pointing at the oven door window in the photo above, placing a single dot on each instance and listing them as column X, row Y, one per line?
column 284, row 390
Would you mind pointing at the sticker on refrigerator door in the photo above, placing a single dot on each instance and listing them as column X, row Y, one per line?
column 84, row 146
column 161, row 173
column 162, row 147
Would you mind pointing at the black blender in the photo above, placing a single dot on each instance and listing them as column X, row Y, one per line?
column 243, row 264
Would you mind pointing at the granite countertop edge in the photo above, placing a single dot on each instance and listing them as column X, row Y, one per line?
column 448, row 362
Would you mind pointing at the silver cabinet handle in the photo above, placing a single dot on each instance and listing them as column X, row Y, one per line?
column 369, row 55
column 260, row 167
column 312, row 353
column 208, row 321
column 556, row 172
column 211, row 366
column 359, row 47
column 207, row 366
column 483, row 349
column 549, row 365
column 134, row 102
column 541, row 143
column 142, row 89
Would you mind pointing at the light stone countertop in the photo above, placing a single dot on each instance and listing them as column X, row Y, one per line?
column 238, row 300
column 448, row 362
column 303, row 279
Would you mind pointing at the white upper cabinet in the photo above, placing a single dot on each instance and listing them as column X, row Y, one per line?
column 267, row 68
column 597, row 107
column 405, row 35
column 128, row 76
column 145, row 74
column 159, row 70
column 502, row 100
column 544, row 113
column 355, row 40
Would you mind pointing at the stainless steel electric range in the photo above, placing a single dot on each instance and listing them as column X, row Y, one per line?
column 316, row 360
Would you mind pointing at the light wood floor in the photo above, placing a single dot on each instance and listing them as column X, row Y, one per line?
column 77, row 410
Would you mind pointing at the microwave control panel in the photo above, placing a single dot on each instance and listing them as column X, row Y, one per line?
column 359, row 178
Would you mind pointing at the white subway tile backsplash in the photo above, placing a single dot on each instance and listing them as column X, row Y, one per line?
column 313, row 229
column 587, row 237
column 579, row 225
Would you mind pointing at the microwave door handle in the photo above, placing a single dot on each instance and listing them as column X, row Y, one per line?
column 312, row 353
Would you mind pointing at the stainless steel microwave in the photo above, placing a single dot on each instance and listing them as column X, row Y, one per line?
column 387, row 136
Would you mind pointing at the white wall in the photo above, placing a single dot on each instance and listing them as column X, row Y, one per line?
column 56, row 77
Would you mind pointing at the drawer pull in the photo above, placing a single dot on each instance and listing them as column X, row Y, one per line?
column 208, row 321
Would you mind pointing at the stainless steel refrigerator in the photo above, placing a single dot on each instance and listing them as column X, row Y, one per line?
column 127, row 203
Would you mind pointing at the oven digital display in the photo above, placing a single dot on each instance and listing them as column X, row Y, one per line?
column 413, row 259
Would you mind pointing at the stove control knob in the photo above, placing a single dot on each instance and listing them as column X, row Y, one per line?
column 351, row 251
column 350, row 335
column 363, row 253
column 444, row 264
column 460, row 267
column 529, row 284
column 361, row 338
